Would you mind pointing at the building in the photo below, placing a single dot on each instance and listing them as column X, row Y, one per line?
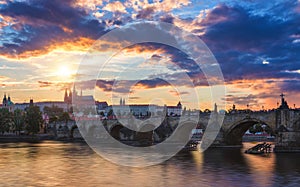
column 21, row 106
column 7, row 103
column 42, row 105
column 144, row 109
column 80, row 103
column 101, row 106
column 59, row 104
column 174, row 110
column 136, row 110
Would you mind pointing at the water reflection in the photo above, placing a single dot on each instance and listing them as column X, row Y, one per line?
column 75, row 164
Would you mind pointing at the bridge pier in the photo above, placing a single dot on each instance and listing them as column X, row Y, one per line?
column 287, row 142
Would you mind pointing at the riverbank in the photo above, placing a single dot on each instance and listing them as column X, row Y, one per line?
column 36, row 139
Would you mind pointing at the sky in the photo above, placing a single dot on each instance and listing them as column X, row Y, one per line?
column 44, row 43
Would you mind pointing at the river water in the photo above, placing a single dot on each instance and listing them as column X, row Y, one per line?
column 54, row 163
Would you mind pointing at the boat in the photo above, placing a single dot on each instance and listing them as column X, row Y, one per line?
column 260, row 149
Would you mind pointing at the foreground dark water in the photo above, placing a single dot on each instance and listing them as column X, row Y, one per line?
column 75, row 164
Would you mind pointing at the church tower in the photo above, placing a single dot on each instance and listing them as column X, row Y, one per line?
column 74, row 91
column 66, row 96
column 4, row 101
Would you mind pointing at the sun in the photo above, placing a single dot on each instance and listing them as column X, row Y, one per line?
column 64, row 71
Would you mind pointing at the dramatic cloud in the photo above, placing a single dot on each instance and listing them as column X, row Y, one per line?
column 257, row 44
column 291, row 86
column 175, row 93
column 243, row 41
column 37, row 27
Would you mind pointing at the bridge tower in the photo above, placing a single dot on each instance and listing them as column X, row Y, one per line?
column 282, row 114
column 287, row 134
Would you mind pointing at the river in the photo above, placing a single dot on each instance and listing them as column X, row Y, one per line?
column 53, row 163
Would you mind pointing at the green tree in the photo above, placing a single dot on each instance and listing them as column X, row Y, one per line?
column 53, row 119
column 256, row 128
column 110, row 112
column 33, row 119
column 53, row 111
column 19, row 120
column 6, row 120
column 65, row 117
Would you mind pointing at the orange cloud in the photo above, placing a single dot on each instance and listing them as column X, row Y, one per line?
column 58, row 85
column 77, row 44
column 264, row 93
column 3, row 78
column 176, row 94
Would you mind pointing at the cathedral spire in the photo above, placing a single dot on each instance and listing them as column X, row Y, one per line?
column 74, row 90
column 216, row 108
column 66, row 95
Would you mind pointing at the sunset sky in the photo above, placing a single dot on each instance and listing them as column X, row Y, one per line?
column 256, row 43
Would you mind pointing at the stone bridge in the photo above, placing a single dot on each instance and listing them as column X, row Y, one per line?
column 284, row 122
column 234, row 125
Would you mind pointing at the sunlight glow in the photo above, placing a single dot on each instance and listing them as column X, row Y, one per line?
column 64, row 71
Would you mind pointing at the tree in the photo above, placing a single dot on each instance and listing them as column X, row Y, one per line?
column 33, row 119
column 53, row 111
column 184, row 111
column 256, row 128
column 89, row 110
column 65, row 117
column 110, row 112
column 19, row 120
column 6, row 120
column 53, row 119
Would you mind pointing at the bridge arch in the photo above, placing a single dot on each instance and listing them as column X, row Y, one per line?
column 183, row 131
column 234, row 135
column 146, row 134
column 115, row 131
column 72, row 130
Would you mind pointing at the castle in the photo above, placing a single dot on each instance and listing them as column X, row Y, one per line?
column 69, row 95
column 72, row 98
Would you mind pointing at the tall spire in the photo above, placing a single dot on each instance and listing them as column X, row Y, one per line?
column 74, row 90
column 121, row 101
column 216, row 108
column 31, row 102
column 70, row 92
column 282, row 98
column 66, row 95
column 4, row 99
